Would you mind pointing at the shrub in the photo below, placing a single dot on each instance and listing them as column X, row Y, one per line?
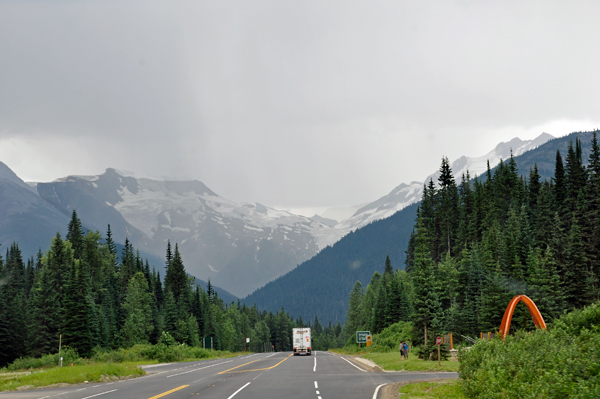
column 562, row 362
column 389, row 339
column 69, row 356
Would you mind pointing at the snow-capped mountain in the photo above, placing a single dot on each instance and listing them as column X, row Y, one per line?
column 406, row 194
column 240, row 247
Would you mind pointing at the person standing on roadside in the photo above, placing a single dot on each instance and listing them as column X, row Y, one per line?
column 402, row 350
column 405, row 347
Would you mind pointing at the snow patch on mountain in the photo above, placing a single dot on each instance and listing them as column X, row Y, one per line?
column 406, row 194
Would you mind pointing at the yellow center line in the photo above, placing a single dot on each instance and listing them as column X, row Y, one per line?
column 168, row 392
column 245, row 371
column 235, row 367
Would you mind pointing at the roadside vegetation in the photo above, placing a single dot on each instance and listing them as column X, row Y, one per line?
column 433, row 390
column 392, row 362
column 562, row 362
column 76, row 374
column 102, row 366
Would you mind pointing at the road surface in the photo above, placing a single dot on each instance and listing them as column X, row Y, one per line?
column 259, row 376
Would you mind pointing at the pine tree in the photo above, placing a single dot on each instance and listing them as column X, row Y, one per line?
column 76, row 312
column 176, row 280
column 379, row 319
column 547, row 292
column 560, row 189
column 426, row 305
column 112, row 248
column 75, row 235
column 388, row 266
column 575, row 269
column 171, row 313
column 355, row 312
column 447, row 212
column 138, row 313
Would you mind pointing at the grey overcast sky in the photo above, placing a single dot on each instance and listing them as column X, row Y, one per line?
column 294, row 104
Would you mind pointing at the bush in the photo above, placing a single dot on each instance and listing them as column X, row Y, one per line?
column 429, row 351
column 562, row 362
column 160, row 352
column 69, row 356
column 389, row 339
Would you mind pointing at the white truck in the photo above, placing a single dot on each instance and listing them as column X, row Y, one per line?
column 302, row 341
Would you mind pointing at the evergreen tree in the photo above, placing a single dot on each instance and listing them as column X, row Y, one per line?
column 426, row 305
column 560, row 189
column 138, row 312
column 75, row 235
column 76, row 312
column 355, row 312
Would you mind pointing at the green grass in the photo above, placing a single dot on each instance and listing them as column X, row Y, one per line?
column 433, row 390
column 70, row 375
column 349, row 350
column 29, row 372
column 391, row 361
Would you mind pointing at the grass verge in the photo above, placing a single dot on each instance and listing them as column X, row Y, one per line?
column 348, row 351
column 449, row 389
column 391, row 361
column 101, row 372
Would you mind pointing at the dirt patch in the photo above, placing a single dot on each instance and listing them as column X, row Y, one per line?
column 24, row 387
column 391, row 391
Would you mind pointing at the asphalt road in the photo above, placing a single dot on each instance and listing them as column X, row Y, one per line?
column 260, row 376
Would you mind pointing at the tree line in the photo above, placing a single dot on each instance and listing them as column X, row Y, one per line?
column 478, row 243
column 82, row 293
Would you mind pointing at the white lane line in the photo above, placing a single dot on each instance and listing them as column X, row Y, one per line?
column 246, row 357
column 201, row 368
column 318, row 393
column 271, row 355
column 98, row 394
column 257, row 376
column 315, row 368
column 354, row 365
column 377, row 390
column 236, row 392
column 318, row 397
column 316, row 386
column 198, row 380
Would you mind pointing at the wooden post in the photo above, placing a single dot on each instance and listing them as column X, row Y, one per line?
column 451, row 342
column 439, row 358
column 59, row 345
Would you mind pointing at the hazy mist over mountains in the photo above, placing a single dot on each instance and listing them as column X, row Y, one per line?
column 239, row 246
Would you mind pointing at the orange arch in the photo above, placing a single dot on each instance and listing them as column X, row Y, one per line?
column 538, row 320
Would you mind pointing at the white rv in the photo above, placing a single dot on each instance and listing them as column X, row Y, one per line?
column 302, row 341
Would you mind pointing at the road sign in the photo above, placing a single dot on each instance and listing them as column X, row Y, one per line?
column 247, row 340
column 361, row 337
column 439, row 340
column 369, row 340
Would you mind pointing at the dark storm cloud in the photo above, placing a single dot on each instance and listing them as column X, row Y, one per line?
column 290, row 103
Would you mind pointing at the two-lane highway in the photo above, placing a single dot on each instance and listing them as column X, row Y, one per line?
column 258, row 376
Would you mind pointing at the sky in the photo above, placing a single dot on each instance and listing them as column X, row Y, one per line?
column 299, row 105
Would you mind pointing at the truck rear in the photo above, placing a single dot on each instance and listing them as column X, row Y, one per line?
column 302, row 341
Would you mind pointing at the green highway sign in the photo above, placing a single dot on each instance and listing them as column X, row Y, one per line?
column 361, row 336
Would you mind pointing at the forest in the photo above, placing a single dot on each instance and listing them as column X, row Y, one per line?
column 478, row 243
column 83, row 295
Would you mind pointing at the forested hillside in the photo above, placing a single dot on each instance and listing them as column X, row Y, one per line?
column 80, row 290
column 320, row 286
column 476, row 244
column 303, row 289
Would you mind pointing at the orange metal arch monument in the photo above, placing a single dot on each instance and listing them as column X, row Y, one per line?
column 538, row 320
